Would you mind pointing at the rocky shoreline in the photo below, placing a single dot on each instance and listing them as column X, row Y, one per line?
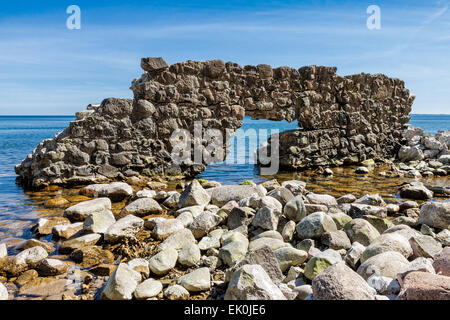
column 207, row 241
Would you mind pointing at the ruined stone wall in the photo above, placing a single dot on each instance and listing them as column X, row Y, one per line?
column 342, row 119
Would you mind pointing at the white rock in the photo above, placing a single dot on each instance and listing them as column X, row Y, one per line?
column 194, row 195
column 126, row 227
column 162, row 262
column 82, row 210
column 197, row 280
column 189, row 255
column 177, row 240
column 99, row 222
column 164, row 228
column 266, row 218
column 142, row 207
column 148, row 289
column 121, row 284
column 140, row 265
column 3, row 293
column 176, row 292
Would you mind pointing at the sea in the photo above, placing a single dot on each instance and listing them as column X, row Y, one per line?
column 19, row 135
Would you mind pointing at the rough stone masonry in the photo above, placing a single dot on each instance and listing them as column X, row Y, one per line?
column 342, row 120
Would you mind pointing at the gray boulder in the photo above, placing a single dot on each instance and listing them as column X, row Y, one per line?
column 194, row 195
column 295, row 209
column 315, row 225
column 127, row 227
column 82, row 210
column 435, row 214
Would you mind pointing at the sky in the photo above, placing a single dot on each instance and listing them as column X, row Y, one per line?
column 47, row 69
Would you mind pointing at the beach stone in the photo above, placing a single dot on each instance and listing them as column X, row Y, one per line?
column 419, row 264
column 358, row 210
column 392, row 208
column 340, row 219
column 209, row 243
column 67, row 231
column 3, row 255
column 339, row 282
column 90, row 256
column 140, row 265
column 273, row 243
column 146, row 193
column 172, row 201
column 315, row 225
column 415, row 190
column 80, row 242
column 45, row 225
column 52, row 267
column 295, row 209
column 194, row 195
column 362, row 170
column 444, row 237
column 239, row 216
column 381, row 224
column 386, row 264
column 99, row 222
column 385, row 243
column 27, row 259
column 425, row 246
column 288, row 231
column 196, row 281
column 297, row 187
column 177, row 240
column 348, row 198
column 353, row 255
column 221, row 195
column 407, row 153
column 266, row 218
column 3, row 293
column 408, row 205
column 148, row 289
column 303, row 291
column 234, row 248
column 271, row 184
column 425, row 286
column 311, row 208
column 384, row 285
column 403, row 230
column 142, row 207
column 441, row 262
column 164, row 228
column 265, row 257
column 30, row 243
column 288, row 256
column 336, row 240
column 189, row 255
column 251, row 282
column 270, row 202
column 361, row 231
column 123, row 228
column 176, row 292
column 121, row 284
column 185, row 218
column 150, row 223
column 82, row 210
column 204, row 223
column 323, row 199
column 162, row 262
column 435, row 214
column 320, row 262
column 116, row 191
column 269, row 234
column 372, row 199
column 281, row 194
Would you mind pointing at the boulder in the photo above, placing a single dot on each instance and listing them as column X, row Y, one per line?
column 295, row 209
column 52, row 267
column 82, row 210
column 425, row 246
column 27, row 259
column 336, row 240
column 162, row 262
column 348, row 198
column 407, row 153
column 415, row 190
column 176, row 292
column 315, row 225
column 340, row 219
column 273, row 243
column 80, row 242
column 282, row 194
column 297, row 187
column 320, row 262
column 339, row 282
column 361, row 231
column 358, row 210
column 386, row 264
column 148, row 289
column 384, row 285
column 352, row 258
column 194, row 195
column 189, row 255
column 372, row 199
column 67, row 231
column 45, row 225
column 99, row 222
column 197, row 280
column 127, row 227
column 30, row 243
column 90, row 256
column 142, row 207
column 388, row 242
column 116, row 191
column 234, row 248
column 121, row 284
column 323, row 199
column 177, row 240
column 425, row 286
column 203, row 223
column 140, row 265
column 441, row 262
column 221, row 195
column 166, row 227
column 251, row 282
column 288, row 256
column 288, row 231
column 239, row 216
column 435, row 214
column 266, row 218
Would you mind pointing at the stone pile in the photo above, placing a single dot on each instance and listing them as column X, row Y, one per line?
column 268, row 241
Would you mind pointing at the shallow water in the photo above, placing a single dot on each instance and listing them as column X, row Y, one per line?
column 19, row 210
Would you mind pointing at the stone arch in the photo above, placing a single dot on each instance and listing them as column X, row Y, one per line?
column 343, row 119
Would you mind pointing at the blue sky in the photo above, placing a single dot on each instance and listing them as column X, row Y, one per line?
column 48, row 69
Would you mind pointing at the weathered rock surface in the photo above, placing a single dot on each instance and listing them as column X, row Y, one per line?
column 435, row 214
column 425, row 286
column 126, row 227
column 121, row 284
column 442, row 262
column 197, row 280
column 387, row 264
column 82, row 210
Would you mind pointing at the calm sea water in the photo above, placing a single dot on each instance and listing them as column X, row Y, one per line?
column 19, row 135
